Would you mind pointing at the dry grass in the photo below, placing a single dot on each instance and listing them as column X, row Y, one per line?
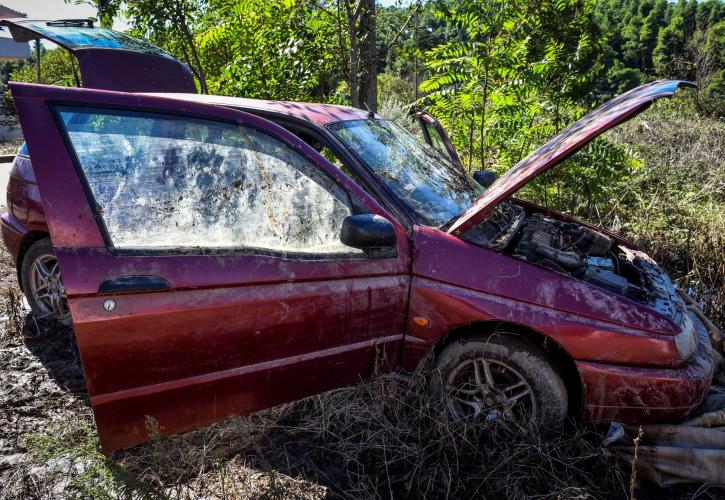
column 380, row 439
column 675, row 206
column 10, row 147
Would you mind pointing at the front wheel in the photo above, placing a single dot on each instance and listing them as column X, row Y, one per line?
column 499, row 378
column 42, row 283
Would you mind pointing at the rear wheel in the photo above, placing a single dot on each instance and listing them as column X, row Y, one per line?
column 42, row 283
column 499, row 378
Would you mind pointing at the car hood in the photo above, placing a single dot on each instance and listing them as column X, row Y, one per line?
column 107, row 59
column 563, row 145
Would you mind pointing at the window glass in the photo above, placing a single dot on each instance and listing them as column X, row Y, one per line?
column 436, row 140
column 74, row 36
column 169, row 182
column 429, row 185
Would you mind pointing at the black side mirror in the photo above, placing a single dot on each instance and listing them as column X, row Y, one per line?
column 484, row 177
column 368, row 232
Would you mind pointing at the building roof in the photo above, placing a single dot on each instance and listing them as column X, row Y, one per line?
column 7, row 12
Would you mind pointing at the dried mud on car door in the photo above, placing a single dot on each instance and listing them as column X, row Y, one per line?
column 145, row 190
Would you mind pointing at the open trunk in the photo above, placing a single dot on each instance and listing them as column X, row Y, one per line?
column 107, row 59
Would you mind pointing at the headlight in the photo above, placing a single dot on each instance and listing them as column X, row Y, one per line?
column 686, row 340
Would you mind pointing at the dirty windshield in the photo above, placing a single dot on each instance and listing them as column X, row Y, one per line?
column 432, row 187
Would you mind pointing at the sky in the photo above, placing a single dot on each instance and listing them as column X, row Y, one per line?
column 53, row 9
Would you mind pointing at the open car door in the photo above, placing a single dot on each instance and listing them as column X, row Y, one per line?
column 200, row 253
column 108, row 59
column 436, row 136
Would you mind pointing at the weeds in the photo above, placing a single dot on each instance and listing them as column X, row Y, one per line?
column 675, row 207
column 14, row 315
column 379, row 439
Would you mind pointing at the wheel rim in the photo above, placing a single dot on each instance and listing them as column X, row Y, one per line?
column 47, row 288
column 491, row 389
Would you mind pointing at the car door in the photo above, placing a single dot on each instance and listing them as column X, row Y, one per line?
column 200, row 253
column 436, row 136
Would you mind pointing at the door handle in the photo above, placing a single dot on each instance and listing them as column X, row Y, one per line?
column 127, row 284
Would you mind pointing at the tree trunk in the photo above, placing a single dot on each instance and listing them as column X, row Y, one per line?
column 181, row 20
column 368, row 83
column 352, row 15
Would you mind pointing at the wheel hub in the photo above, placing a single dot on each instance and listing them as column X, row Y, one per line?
column 489, row 388
column 47, row 287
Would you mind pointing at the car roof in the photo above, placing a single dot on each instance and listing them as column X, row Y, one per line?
column 318, row 113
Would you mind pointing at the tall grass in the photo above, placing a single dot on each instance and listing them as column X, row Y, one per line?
column 675, row 205
column 379, row 439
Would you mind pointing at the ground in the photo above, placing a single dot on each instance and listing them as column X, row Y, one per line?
column 377, row 439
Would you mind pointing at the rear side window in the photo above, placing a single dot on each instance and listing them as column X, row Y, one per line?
column 436, row 140
column 161, row 181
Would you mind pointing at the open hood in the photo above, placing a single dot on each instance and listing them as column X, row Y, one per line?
column 563, row 145
column 107, row 59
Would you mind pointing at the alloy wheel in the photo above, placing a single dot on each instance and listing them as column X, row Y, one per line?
column 47, row 288
column 491, row 389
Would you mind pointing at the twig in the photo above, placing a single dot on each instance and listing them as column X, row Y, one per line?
column 633, row 478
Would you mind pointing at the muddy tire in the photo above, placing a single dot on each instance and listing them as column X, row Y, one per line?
column 500, row 377
column 42, row 284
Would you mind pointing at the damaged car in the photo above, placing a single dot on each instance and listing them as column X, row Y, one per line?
column 222, row 255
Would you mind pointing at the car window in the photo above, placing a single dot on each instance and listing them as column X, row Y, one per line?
column 71, row 36
column 430, row 185
column 163, row 181
column 436, row 140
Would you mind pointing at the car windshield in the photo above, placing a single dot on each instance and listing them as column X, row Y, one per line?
column 77, row 36
column 428, row 184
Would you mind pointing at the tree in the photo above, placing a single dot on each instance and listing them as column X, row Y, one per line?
column 670, row 44
column 363, row 76
column 170, row 23
column 273, row 49
column 649, row 32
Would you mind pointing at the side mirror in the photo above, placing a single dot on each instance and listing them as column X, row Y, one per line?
column 484, row 177
column 368, row 232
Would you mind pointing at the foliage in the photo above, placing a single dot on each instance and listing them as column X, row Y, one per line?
column 510, row 79
column 280, row 49
column 56, row 69
column 675, row 205
column 647, row 39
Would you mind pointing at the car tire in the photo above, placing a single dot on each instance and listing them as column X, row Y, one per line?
column 500, row 377
column 42, row 284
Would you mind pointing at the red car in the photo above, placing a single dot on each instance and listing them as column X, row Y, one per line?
column 223, row 255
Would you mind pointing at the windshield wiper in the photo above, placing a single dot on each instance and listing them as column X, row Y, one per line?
column 70, row 23
column 447, row 224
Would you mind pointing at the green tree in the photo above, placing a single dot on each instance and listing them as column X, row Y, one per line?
column 670, row 44
column 57, row 68
column 648, row 33
column 272, row 49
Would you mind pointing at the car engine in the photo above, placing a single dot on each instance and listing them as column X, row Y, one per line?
column 579, row 251
column 582, row 252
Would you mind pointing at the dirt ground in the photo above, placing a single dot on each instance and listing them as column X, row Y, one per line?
column 376, row 440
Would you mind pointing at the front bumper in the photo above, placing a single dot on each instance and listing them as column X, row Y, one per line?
column 646, row 395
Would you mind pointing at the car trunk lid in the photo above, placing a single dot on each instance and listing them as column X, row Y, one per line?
column 107, row 59
column 563, row 145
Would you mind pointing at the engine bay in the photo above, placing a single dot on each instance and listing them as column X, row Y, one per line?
column 580, row 252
